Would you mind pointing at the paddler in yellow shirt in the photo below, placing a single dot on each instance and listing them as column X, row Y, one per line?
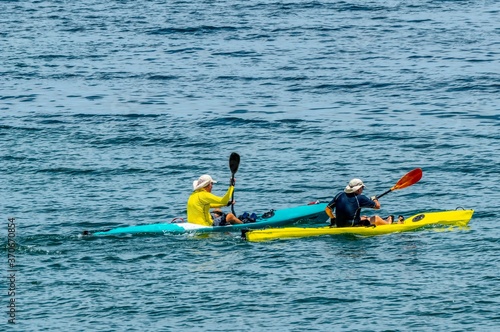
column 202, row 200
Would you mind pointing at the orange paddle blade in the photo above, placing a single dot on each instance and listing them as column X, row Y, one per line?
column 409, row 179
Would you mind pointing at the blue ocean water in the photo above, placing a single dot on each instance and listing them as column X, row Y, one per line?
column 109, row 111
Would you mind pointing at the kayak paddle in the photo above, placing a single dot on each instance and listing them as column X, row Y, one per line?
column 234, row 163
column 407, row 180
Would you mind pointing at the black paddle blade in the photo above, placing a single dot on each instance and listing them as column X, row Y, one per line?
column 234, row 162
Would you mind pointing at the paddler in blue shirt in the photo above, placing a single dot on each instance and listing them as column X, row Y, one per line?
column 202, row 200
column 348, row 204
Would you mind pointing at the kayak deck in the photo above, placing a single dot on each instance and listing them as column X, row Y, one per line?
column 455, row 218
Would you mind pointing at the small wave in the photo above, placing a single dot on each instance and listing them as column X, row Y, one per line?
column 21, row 98
column 204, row 29
column 162, row 77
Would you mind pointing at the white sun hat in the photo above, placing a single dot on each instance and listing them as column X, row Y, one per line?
column 354, row 186
column 203, row 181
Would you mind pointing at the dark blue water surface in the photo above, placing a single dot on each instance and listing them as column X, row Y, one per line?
column 109, row 111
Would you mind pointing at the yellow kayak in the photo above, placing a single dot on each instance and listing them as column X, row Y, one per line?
column 454, row 218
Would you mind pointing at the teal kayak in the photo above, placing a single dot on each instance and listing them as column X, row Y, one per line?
column 312, row 213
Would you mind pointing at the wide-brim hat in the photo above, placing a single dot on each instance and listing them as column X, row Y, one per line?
column 203, row 181
column 354, row 186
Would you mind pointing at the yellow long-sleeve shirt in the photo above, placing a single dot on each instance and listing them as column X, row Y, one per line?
column 201, row 201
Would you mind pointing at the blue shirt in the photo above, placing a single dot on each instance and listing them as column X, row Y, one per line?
column 348, row 208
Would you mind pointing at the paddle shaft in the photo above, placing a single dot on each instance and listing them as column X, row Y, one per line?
column 234, row 163
column 385, row 193
column 232, row 196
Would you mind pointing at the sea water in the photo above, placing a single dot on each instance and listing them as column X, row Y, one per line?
column 109, row 111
